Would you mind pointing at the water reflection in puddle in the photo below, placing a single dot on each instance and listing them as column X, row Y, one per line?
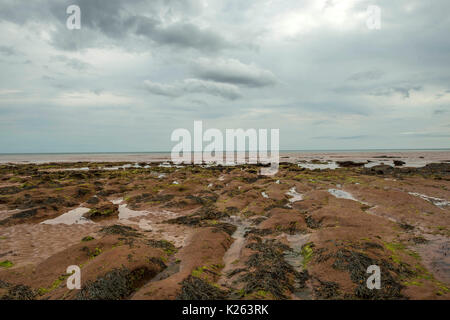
column 441, row 203
column 74, row 216
column 295, row 196
column 126, row 213
column 341, row 194
column 321, row 166
column 233, row 254
column 294, row 257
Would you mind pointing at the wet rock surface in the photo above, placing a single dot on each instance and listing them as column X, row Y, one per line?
column 160, row 231
column 102, row 211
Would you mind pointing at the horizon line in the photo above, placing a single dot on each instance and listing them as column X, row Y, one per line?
column 286, row 150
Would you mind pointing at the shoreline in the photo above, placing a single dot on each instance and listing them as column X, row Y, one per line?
column 412, row 158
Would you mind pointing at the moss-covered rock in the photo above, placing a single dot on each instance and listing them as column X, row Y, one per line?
column 102, row 211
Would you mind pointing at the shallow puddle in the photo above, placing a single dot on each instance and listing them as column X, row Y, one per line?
column 74, row 169
column 125, row 213
column 117, row 201
column 441, row 203
column 145, row 225
column 295, row 196
column 165, row 165
column 373, row 211
column 341, row 194
column 233, row 254
column 74, row 216
column 294, row 257
column 321, row 166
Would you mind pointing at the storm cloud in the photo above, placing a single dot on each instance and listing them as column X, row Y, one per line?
column 138, row 69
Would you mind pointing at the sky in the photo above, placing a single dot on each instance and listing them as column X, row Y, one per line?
column 139, row 69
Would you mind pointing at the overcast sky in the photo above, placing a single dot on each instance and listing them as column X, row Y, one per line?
column 138, row 69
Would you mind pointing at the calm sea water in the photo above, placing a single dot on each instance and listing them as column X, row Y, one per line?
column 411, row 156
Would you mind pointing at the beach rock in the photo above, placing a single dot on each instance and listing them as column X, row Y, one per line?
column 124, row 231
column 103, row 210
column 350, row 164
column 436, row 169
column 316, row 161
column 194, row 288
column 399, row 163
column 379, row 170
column 19, row 217
column 10, row 190
column 93, row 200
column 19, row 292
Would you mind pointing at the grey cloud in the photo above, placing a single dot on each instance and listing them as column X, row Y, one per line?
column 356, row 137
column 72, row 62
column 258, row 66
column 7, row 50
column 97, row 91
column 217, row 89
column 187, row 86
column 353, row 137
column 191, row 36
column 233, row 71
column 328, row 4
column 428, row 134
column 440, row 111
column 367, row 75
column 119, row 19
column 163, row 89
column 405, row 91
column 180, row 34
column 328, row 107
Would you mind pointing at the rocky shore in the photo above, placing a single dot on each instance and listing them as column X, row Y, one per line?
column 154, row 230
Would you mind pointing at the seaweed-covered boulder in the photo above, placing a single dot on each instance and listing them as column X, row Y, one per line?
column 102, row 211
column 381, row 169
column 18, row 292
column 118, row 229
column 93, row 200
column 399, row 163
column 350, row 164
column 117, row 284
column 195, row 288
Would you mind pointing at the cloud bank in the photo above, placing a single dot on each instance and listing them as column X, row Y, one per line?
column 139, row 69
